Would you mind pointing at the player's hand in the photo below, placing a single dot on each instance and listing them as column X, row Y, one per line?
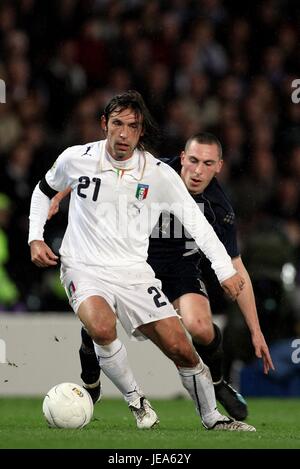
column 233, row 286
column 54, row 207
column 262, row 351
column 41, row 254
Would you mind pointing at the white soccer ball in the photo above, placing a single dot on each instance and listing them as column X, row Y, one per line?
column 68, row 405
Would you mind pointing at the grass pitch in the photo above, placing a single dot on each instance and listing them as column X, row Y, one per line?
column 22, row 425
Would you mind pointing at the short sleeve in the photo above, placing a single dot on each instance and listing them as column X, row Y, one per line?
column 58, row 175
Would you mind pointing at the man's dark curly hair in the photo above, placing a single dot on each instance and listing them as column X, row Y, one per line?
column 132, row 99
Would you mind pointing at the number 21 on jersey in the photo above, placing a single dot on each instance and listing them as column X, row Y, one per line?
column 84, row 183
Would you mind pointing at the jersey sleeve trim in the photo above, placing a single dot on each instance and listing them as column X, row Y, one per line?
column 46, row 189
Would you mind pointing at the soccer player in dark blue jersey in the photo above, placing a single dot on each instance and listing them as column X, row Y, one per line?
column 187, row 278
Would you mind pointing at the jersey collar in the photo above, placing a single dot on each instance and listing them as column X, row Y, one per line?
column 137, row 172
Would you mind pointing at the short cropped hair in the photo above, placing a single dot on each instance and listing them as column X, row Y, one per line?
column 205, row 138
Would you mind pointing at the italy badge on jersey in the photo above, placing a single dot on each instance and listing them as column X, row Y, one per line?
column 141, row 191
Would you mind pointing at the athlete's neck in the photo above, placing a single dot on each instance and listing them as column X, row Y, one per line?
column 131, row 163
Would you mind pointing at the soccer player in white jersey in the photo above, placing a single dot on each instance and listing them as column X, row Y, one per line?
column 118, row 191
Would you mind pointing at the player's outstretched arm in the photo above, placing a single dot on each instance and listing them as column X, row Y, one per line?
column 247, row 305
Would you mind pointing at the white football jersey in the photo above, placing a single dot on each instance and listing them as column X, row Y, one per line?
column 112, row 212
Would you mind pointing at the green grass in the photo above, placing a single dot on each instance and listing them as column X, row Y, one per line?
column 22, row 425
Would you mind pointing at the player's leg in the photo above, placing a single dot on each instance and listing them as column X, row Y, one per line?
column 185, row 289
column 100, row 322
column 90, row 369
column 144, row 414
column 207, row 339
column 168, row 334
column 196, row 316
column 189, row 296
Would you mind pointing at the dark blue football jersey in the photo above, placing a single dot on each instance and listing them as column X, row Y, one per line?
column 169, row 242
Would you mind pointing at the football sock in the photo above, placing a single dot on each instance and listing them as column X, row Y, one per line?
column 114, row 363
column 90, row 369
column 212, row 355
column 197, row 381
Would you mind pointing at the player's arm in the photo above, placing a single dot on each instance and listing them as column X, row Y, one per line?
column 188, row 213
column 41, row 254
column 56, row 200
column 247, row 305
column 55, row 180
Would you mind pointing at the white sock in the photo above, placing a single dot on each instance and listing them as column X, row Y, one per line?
column 113, row 361
column 197, row 381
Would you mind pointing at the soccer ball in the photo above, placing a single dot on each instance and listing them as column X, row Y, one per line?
column 68, row 405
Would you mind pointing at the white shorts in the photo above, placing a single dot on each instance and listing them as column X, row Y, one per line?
column 133, row 304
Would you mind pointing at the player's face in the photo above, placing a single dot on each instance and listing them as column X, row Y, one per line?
column 200, row 163
column 123, row 130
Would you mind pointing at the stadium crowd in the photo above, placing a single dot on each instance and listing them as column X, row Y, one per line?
column 208, row 65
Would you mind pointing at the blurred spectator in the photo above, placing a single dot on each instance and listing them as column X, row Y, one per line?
column 294, row 163
column 65, row 82
column 158, row 89
column 212, row 55
column 10, row 128
column 16, row 44
column 285, row 203
column 251, row 200
column 9, row 294
column 92, row 52
column 18, row 78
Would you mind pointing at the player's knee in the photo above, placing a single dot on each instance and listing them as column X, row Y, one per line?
column 103, row 333
column 202, row 331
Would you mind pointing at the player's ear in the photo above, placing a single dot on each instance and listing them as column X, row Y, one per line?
column 182, row 155
column 220, row 165
column 103, row 123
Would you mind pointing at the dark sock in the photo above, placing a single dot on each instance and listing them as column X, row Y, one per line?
column 90, row 369
column 212, row 355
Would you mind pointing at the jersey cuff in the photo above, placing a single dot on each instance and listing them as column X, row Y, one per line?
column 46, row 189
